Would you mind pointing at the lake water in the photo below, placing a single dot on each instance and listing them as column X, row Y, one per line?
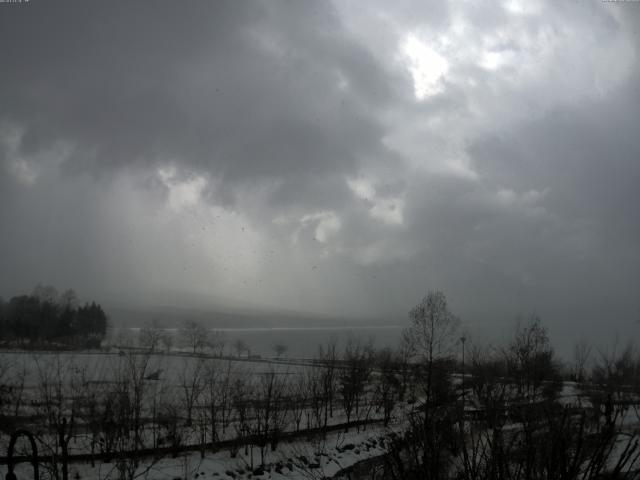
column 301, row 342
column 304, row 342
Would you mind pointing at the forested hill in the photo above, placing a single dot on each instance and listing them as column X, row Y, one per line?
column 46, row 318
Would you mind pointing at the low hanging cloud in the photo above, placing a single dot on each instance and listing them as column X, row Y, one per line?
column 336, row 158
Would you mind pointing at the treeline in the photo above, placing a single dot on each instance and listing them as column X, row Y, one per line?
column 46, row 318
column 505, row 412
column 117, row 408
column 447, row 407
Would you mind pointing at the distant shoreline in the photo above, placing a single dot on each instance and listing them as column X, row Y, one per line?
column 276, row 329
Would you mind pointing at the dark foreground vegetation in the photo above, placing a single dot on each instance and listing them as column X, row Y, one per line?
column 46, row 319
column 446, row 408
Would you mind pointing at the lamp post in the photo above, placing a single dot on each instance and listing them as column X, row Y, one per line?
column 463, row 339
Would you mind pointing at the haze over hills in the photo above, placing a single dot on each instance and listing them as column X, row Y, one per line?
column 174, row 316
column 246, row 162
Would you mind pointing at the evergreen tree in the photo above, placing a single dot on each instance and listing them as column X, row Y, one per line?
column 45, row 317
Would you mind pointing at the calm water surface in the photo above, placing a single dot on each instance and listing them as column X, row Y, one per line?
column 301, row 342
column 304, row 342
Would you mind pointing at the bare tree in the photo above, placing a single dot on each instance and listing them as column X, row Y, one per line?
column 387, row 384
column 121, row 337
column 192, row 383
column 169, row 425
column 315, row 396
column 432, row 334
column 354, row 376
column 581, row 356
column 167, row 341
column 196, row 337
column 60, row 389
column 217, row 342
column 280, row 349
column 124, row 411
column 328, row 358
column 504, row 437
column 405, row 372
column 226, row 395
column 150, row 336
column 269, row 411
column 426, row 448
column 131, row 390
column 240, row 347
column 297, row 398
column 531, row 362
column 614, row 381
column 432, row 331
column 241, row 392
column 12, row 387
column 213, row 383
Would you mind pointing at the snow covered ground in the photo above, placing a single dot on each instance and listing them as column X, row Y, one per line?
column 300, row 459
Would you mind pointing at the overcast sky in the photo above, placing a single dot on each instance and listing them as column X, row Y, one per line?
column 340, row 158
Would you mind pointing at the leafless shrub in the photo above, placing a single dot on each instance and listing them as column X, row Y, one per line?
column 195, row 336
column 354, row 376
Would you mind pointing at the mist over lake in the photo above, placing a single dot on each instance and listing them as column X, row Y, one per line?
column 297, row 240
column 301, row 342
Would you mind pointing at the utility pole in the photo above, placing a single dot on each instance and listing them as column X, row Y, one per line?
column 463, row 339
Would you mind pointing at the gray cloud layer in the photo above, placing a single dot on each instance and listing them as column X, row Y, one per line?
column 338, row 158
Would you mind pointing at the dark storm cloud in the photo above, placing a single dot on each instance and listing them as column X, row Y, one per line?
column 237, row 94
column 239, row 90
column 587, row 156
column 334, row 157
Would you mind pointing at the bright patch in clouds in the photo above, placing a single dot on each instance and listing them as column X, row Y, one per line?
column 182, row 193
column 492, row 60
column 327, row 224
column 508, row 196
column 322, row 226
column 426, row 66
column 27, row 168
column 23, row 171
column 520, row 7
column 387, row 209
column 362, row 188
